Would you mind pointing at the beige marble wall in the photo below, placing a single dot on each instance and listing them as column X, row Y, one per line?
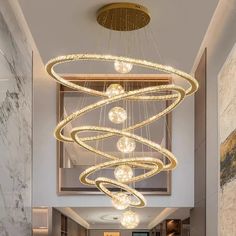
column 227, row 138
column 15, row 126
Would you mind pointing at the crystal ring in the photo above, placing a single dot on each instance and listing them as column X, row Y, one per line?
column 172, row 88
column 192, row 88
column 139, row 200
column 74, row 135
column 153, row 164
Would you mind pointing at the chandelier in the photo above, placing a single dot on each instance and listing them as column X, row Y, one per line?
column 122, row 17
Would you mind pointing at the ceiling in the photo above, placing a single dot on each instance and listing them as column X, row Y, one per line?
column 61, row 27
column 108, row 217
column 97, row 217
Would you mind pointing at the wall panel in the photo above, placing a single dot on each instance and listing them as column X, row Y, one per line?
column 198, row 213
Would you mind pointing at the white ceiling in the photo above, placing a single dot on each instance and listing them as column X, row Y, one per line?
column 99, row 217
column 63, row 27
column 108, row 217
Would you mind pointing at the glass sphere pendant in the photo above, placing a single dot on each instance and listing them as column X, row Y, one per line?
column 120, row 201
column 129, row 220
column 117, row 115
column 126, row 145
column 123, row 67
column 123, row 173
column 114, row 89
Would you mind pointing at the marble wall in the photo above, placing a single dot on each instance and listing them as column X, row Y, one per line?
column 15, row 126
column 227, row 135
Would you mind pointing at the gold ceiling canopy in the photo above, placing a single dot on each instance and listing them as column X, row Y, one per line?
column 123, row 16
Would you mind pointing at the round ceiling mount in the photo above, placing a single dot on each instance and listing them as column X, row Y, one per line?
column 110, row 217
column 123, row 16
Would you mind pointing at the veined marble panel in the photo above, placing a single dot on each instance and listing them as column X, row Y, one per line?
column 227, row 136
column 15, row 126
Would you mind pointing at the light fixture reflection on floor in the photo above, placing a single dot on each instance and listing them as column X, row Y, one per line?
column 129, row 219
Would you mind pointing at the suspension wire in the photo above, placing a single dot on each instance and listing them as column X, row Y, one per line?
column 129, row 105
column 149, row 32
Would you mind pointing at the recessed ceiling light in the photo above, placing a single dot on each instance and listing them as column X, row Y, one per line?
column 111, row 217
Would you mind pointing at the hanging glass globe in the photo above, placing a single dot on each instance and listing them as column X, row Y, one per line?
column 129, row 220
column 123, row 173
column 126, row 145
column 114, row 89
column 123, row 67
column 117, row 115
column 120, row 201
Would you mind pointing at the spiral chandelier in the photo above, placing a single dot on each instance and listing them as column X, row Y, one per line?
column 124, row 174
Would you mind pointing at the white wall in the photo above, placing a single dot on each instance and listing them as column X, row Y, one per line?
column 219, row 41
